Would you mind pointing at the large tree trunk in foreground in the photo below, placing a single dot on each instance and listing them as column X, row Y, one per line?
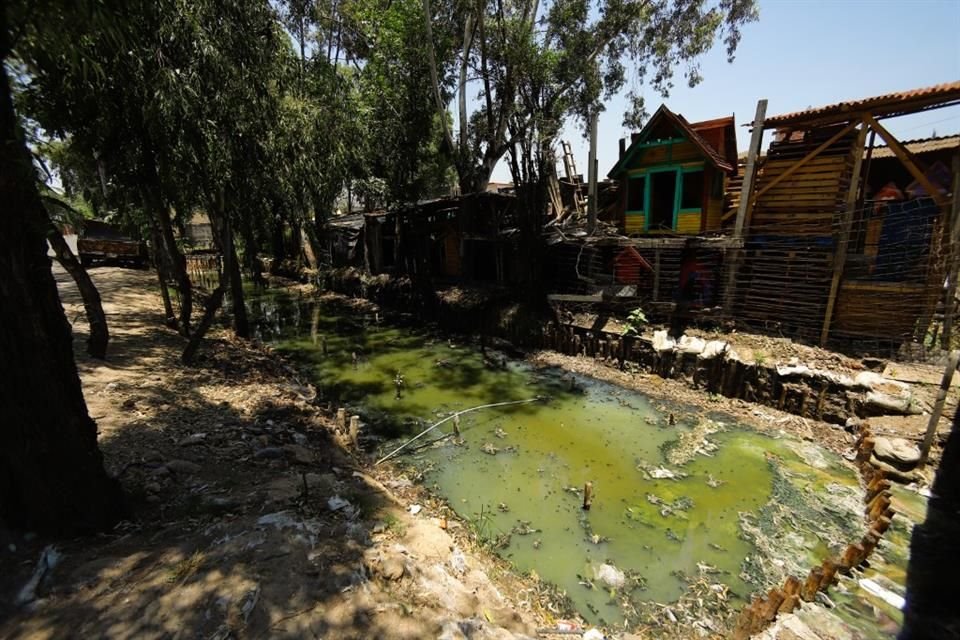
column 51, row 471
column 99, row 335
column 931, row 610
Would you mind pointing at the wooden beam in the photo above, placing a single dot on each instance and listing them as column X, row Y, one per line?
column 756, row 139
column 840, row 257
column 953, row 251
column 746, row 188
column 656, row 274
column 938, row 407
column 906, row 159
column 807, row 158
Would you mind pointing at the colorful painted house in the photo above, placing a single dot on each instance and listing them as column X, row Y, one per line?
column 674, row 174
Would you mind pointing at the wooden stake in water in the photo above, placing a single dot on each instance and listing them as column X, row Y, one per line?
column 341, row 418
column 456, row 425
column 398, row 384
column 587, row 496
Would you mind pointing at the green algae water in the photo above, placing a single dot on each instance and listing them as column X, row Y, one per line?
column 517, row 473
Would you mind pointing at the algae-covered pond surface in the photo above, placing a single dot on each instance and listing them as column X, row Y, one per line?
column 678, row 493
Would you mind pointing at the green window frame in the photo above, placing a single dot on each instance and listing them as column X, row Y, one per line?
column 645, row 174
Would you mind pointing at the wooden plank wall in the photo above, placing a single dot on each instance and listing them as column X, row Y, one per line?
column 808, row 201
column 785, row 279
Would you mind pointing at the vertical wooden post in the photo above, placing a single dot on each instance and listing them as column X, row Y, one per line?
column 656, row 274
column 843, row 238
column 592, row 176
column 587, row 496
column 938, row 407
column 953, row 267
column 355, row 431
column 746, row 199
column 342, row 418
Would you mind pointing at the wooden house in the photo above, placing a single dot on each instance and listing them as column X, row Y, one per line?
column 843, row 238
column 674, row 174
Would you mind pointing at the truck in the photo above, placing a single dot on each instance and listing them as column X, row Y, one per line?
column 103, row 241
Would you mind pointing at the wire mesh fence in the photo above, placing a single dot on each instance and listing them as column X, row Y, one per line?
column 874, row 278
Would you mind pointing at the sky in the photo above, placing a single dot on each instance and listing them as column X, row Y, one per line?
column 808, row 53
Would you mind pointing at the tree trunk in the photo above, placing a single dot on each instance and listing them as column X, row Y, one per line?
column 160, row 263
column 175, row 259
column 251, row 259
column 213, row 304
column 99, row 335
column 52, row 478
column 931, row 610
column 223, row 232
column 231, row 266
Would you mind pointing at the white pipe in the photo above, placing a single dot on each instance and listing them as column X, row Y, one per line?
column 450, row 417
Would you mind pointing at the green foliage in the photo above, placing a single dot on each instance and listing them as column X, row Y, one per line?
column 636, row 321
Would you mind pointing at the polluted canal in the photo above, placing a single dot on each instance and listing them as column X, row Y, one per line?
column 680, row 495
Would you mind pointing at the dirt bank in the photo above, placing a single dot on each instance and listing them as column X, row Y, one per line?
column 251, row 520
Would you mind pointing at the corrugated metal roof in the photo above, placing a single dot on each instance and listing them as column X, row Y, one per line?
column 923, row 145
column 887, row 104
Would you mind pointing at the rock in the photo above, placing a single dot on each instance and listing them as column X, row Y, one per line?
column 336, row 503
column 691, row 344
column 111, row 387
column 896, row 451
column 458, row 562
column 299, row 438
column 895, row 474
column 713, row 349
column 415, row 509
column 300, row 454
column 881, row 403
column 194, row 438
column 153, row 456
column 270, row 453
column 184, row 467
column 129, row 403
column 392, row 567
column 388, row 565
column 610, row 576
column 663, row 342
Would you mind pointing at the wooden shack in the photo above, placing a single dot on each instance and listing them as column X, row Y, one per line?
column 673, row 175
column 843, row 239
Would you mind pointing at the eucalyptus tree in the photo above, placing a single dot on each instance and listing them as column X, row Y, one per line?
column 534, row 64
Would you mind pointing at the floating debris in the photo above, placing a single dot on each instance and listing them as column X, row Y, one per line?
column 489, row 448
column 713, row 483
column 500, row 433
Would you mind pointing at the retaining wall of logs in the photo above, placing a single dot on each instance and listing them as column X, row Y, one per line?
column 763, row 610
column 820, row 395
